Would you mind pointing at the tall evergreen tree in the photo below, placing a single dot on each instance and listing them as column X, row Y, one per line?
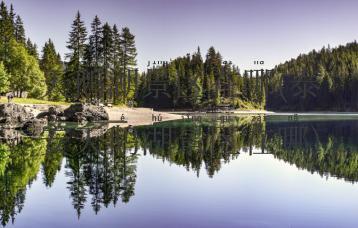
column 117, row 61
column 77, row 47
column 52, row 67
column 12, row 15
column 129, row 54
column 95, row 49
column 107, row 45
column 32, row 48
column 19, row 30
column 6, row 31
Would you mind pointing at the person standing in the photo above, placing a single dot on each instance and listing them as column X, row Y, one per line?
column 10, row 96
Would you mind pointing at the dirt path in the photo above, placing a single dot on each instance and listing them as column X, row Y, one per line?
column 138, row 116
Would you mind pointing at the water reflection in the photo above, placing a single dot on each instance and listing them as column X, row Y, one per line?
column 104, row 167
column 193, row 144
column 328, row 148
column 19, row 165
column 101, row 163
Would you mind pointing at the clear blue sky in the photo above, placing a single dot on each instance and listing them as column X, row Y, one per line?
column 242, row 30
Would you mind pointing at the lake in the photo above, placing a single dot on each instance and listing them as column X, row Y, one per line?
column 207, row 171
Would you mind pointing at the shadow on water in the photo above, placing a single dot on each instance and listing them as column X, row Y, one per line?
column 101, row 163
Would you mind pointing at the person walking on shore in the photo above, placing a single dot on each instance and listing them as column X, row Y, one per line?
column 10, row 96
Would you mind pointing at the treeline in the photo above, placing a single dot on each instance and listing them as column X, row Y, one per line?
column 191, row 82
column 320, row 80
column 100, row 65
column 19, row 65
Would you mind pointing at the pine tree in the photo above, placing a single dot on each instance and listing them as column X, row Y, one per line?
column 51, row 65
column 77, row 47
column 32, row 49
column 197, row 67
column 89, row 69
column 12, row 15
column 129, row 53
column 96, row 49
column 107, row 44
column 19, row 30
column 117, row 61
column 6, row 31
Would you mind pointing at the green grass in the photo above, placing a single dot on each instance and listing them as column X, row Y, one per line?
column 244, row 105
column 33, row 101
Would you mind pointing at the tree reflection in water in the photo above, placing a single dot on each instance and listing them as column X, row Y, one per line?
column 100, row 163
column 103, row 167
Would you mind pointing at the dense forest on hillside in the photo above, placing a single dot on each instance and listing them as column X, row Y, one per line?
column 191, row 82
column 320, row 80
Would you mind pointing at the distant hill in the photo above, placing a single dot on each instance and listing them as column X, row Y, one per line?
column 320, row 80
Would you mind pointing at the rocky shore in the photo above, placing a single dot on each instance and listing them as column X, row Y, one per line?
column 31, row 119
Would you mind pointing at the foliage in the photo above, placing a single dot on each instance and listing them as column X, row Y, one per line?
column 330, row 74
column 4, row 79
column 21, row 168
column 25, row 71
column 52, row 67
column 190, row 82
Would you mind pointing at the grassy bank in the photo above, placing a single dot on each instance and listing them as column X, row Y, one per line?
column 33, row 101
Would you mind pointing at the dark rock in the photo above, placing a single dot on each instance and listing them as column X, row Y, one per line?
column 34, row 127
column 87, row 132
column 55, row 111
column 14, row 115
column 52, row 114
column 42, row 115
column 85, row 112
column 52, row 118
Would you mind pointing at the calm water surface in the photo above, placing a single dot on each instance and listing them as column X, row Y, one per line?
column 208, row 172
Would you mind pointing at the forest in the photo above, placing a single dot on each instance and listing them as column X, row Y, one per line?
column 101, row 66
column 191, row 82
column 320, row 80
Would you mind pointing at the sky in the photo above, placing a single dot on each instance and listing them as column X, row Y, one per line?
column 243, row 31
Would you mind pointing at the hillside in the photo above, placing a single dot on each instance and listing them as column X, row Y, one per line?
column 320, row 80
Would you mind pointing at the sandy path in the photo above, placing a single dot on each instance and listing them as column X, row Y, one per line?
column 138, row 116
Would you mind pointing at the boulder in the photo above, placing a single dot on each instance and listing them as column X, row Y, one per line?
column 42, row 115
column 14, row 115
column 55, row 111
column 34, row 127
column 85, row 112
column 53, row 114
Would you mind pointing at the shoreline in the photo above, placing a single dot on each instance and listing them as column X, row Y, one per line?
column 126, row 116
